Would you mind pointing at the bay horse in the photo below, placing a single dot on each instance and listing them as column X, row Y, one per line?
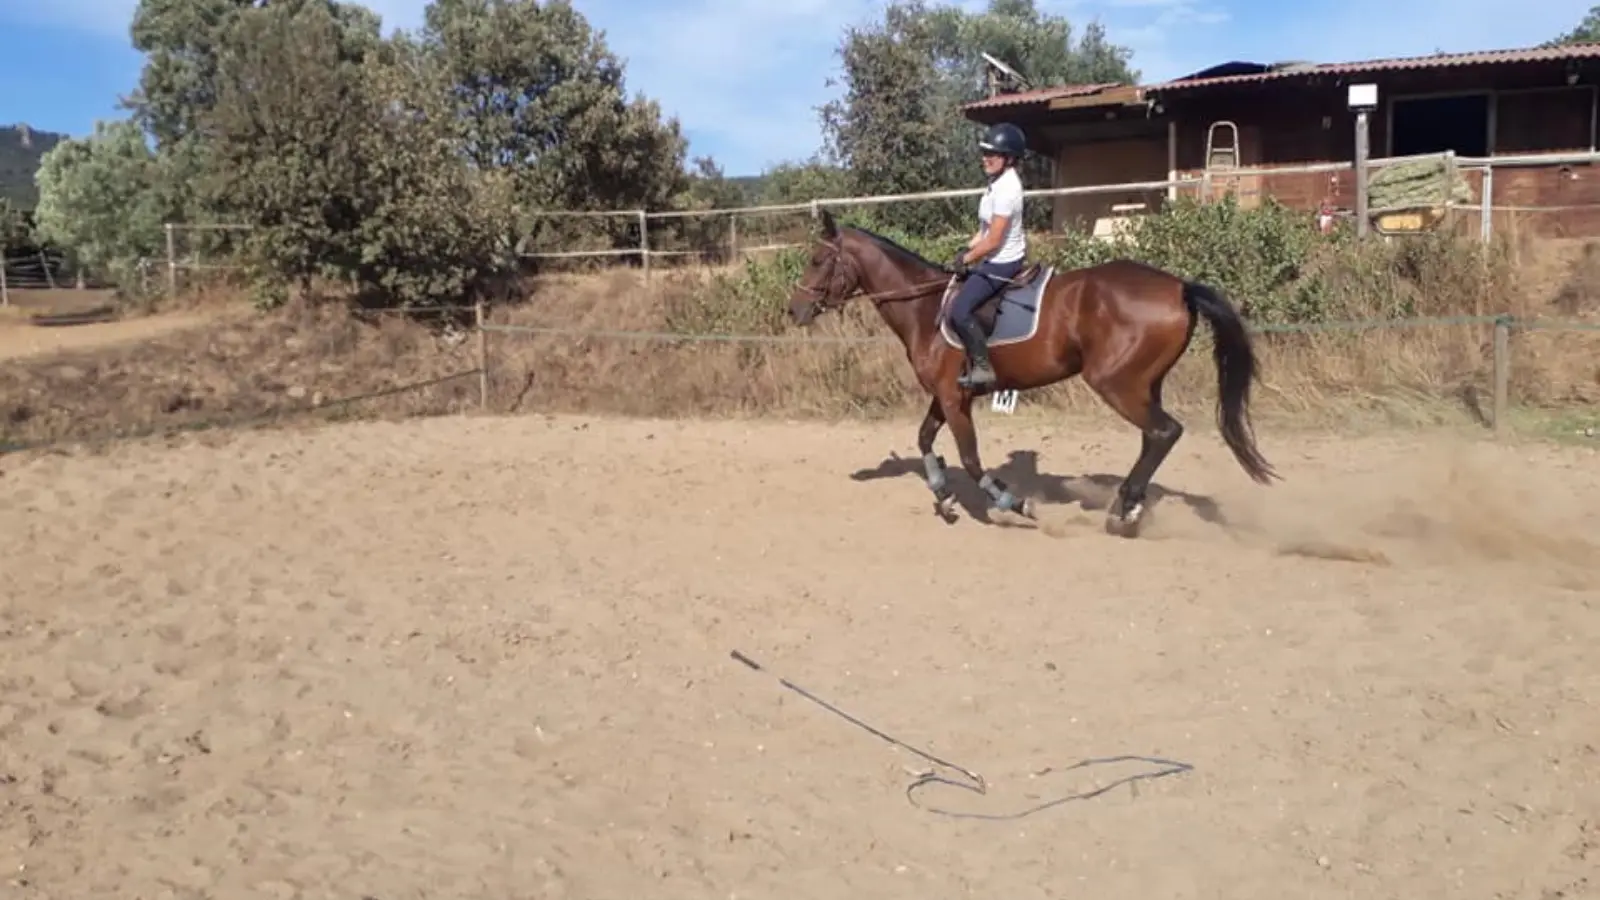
column 1122, row 324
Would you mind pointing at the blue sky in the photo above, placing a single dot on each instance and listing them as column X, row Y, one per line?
column 763, row 64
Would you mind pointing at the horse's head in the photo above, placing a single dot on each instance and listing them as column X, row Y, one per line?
column 831, row 276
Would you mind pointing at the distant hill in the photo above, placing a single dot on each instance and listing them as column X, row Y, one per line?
column 20, row 150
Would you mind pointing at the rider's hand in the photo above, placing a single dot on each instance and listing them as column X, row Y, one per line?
column 959, row 263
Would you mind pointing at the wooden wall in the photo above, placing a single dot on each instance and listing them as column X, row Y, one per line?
column 1125, row 161
column 1534, row 110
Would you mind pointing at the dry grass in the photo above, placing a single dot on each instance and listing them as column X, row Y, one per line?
column 1411, row 375
column 242, row 366
column 247, row 364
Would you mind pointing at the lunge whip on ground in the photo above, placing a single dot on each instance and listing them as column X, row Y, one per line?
column 969, row 780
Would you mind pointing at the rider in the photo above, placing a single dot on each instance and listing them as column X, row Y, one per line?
column 996, row 250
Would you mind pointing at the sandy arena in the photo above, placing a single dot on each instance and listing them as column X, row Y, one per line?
column 490, row 658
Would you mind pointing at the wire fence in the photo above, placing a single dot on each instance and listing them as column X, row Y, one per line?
column 1504, row 328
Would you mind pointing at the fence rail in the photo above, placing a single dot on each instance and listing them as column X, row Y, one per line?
column 644, row 250
column 43, row 270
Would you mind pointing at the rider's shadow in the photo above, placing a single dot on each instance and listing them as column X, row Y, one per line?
column 1020, row 472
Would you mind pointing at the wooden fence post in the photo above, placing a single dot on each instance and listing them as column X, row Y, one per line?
column 1502, row 372
column 1486, row 205
column 1363, row 175
column 172, row 263
column 483, row 357
column 644, row 244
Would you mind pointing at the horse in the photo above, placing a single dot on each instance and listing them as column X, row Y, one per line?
column 1121, row 324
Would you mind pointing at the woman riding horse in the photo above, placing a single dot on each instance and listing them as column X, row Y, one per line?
column 995, row 253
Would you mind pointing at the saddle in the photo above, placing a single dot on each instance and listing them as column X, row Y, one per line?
column 988, row 310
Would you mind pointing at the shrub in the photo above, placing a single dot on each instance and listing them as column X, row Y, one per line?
column 1255, row 256
column 1270, row 260
column 751, row 300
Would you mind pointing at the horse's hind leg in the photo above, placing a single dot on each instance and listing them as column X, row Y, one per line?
column 1140, row 403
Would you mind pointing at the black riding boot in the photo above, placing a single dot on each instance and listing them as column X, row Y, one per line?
column 979, row 372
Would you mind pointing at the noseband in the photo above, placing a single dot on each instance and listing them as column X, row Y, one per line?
column 823, row 298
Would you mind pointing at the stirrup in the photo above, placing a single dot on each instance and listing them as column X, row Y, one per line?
column 970, row 378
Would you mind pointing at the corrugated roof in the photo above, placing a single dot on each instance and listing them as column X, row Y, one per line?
column 1040, row 96
column 1408, row 63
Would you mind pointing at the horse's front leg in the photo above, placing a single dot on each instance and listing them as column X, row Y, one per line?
column 938, row 481
column 959, row 416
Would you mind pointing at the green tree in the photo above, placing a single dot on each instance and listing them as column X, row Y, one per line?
column 707, row 188
column 540, row 97
column 802, row 182
column 15, row 230
column 899, row 128
column 1587, row 30
column 103, row 199
column 183, row 42
column 277, row 140
column 1040, row 45
column 350, row 170
column 892, row 128
column 432, row 229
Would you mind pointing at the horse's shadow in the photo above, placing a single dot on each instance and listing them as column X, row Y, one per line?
column 1020, row 471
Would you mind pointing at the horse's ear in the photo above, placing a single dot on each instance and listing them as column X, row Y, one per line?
column 830, row 228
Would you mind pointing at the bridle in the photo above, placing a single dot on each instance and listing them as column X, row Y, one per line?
column 830, row 296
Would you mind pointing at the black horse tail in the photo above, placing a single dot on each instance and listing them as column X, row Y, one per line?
column 1236, row 369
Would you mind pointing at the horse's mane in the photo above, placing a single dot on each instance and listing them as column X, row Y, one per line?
column 904, row 252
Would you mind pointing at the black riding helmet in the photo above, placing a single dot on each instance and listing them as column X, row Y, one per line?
column 1005, row 139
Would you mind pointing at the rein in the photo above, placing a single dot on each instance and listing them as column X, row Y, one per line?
column 912, row 292
column 906, row 293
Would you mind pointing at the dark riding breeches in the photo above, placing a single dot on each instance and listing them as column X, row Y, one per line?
column 976, row 288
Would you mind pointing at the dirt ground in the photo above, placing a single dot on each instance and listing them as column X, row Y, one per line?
column 19, row 338
column 490, row 657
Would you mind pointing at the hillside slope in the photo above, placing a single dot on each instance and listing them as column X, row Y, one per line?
column 21, row 148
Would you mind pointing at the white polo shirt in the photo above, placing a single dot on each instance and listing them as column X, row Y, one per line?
column 1004, row 198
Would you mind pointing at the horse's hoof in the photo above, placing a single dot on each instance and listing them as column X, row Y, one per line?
column 1125, row 526
column 1017, row 506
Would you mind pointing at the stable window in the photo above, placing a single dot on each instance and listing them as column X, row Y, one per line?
column 1545, row 120
column 1458, row 122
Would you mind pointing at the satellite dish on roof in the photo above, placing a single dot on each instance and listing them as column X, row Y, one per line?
column 1011, row 75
